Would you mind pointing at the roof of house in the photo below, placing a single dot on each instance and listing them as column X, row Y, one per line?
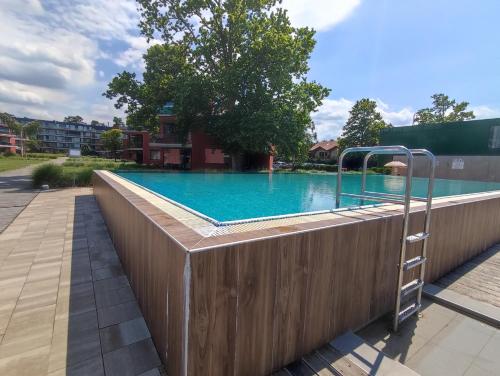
column 325, row 145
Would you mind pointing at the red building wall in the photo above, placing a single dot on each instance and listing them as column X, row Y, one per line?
column 205, row 152
column 8, row 139
column 200, row 142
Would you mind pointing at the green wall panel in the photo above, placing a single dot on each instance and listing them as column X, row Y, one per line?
column 475, row 137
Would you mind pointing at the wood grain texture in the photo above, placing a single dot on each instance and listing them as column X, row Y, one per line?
column 260, row 304
column 297, row 292
column 154, row 264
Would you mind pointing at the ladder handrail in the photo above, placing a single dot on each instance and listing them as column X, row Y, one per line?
column 405, row 200
column 428, row 211
column 399, row 149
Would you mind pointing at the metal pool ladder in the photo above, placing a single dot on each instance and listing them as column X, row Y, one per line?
column 408, row 297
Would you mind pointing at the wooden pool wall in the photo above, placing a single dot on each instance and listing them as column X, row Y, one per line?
column 251, row 306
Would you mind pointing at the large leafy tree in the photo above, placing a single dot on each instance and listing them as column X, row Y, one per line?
column 236, row 67
column 112, row 141
column 443, row 110
column 73, row 119
column 117, row 121
column 163, row 75
column 363, row 126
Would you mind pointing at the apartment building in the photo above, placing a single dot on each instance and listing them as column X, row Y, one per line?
column 60, row 137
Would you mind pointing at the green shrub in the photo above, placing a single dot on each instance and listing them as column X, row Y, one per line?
column 8, row 154
column 50, row 174
column 44, row 155
column 318, row 167
column 381, row 170
column 80, row 177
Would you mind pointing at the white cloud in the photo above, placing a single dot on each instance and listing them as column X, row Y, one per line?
column 49, row 51
column 333, row 114
column 397, row 118
column 485, row 112
column 14, row 93
column 132, row 57
column 331, row 117
column 322, row 15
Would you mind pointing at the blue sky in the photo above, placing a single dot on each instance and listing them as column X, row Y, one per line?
column 56, row 56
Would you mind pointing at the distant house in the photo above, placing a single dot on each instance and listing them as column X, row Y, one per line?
column 9, row 142
column 198, row 151
column 324, row 151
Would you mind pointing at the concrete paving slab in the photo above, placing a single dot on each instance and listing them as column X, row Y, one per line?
column 368, row 357
column 458, row 345
column 49, row 323
column 463, row 303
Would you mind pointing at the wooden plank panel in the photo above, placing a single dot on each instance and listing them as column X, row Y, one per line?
column 256, row 296
column 343, row 273
column 293, row 269
column 212, row 335
column 320, row 297
column 256, row 306
column 154, row 264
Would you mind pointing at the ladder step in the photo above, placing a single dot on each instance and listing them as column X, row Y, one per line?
column 408, row 311
column 412, row 286
column 417, row 237
column 411, row 263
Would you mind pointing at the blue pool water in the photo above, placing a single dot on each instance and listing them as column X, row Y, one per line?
column 237, row 196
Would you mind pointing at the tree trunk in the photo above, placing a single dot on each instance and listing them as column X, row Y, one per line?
column 237, row 162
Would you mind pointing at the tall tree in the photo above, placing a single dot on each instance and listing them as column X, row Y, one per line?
column 143, row 100
column 363, row 126
column 236, row 67
column 29, row 134
column 73, row 119
column 443, row 110
column 112, row 141
column 117, row 121
column 95, row 122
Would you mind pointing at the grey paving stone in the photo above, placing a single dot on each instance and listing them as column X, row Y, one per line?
column 107, row 272
column 464, row 336
column 131, row 360
column 118, row 314
column 437, row 360
column 111, row 283
column 108, row 298
column 144, row 356
column 89, row 367
column 123, row 334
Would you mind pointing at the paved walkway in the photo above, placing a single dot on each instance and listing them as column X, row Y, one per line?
column 441, row 342
column 16, row 192
column 478, row 278
column 66, row 308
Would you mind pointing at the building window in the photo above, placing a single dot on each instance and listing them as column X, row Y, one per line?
column 154, row 155
column 495, row 137
column 214, row 156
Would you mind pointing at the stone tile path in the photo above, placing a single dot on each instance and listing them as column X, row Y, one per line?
column 16, row 192
column 66, row 308
column 478, row 278
column 441, row 342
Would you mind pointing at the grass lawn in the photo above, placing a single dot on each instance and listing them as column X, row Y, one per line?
column 13, row 163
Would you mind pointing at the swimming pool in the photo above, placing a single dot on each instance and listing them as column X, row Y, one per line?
column 238, row 196
column 332, row 272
